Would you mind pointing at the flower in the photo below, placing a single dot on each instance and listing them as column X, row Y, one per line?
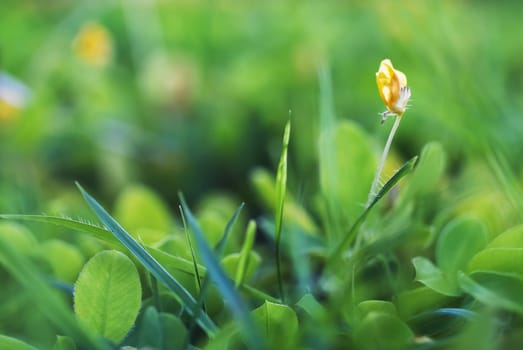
column 392, row 86
column 93, row 44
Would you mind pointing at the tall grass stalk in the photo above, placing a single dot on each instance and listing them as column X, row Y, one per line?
column 375, row 183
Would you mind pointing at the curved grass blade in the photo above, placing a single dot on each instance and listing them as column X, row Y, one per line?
column 225, row 286
column 151, row 264
column 281, row 189
column 245, row 253
column 351, row 234
column 193, row 256
column 220, row 246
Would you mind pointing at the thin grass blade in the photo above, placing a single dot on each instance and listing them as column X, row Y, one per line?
column 281, row 189
column 351, row 234
column 151, row 264
column 225, row 286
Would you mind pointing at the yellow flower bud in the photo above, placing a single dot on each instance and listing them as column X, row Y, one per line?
column 392, row 86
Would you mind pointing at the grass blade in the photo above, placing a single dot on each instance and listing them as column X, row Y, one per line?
column 281, row 189
column 220, row 247
column 151, row 264
column 245, row 253
column 224, row 284
column 351, row 234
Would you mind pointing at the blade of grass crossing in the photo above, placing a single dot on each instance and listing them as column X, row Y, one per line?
column 281, row 189
column 193, row 256
column 220, row 247
column 151, row 264
column 351, row 234
column 250, row 332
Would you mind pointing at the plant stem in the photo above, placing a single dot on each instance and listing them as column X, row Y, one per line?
column 374, row 187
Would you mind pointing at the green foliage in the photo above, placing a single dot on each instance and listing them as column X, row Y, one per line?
column 14, row 344
column 139, row 100
column 459, row 241
column 161, row 331
column 279, row 323
column 107, row 295
column 64, row 343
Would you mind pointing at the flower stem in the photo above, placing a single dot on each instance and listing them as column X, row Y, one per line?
column 374, row 187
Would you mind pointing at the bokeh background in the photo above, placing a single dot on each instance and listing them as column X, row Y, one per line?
column 193, row 95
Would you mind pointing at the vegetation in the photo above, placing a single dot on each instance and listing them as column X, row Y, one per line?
column 199, row 175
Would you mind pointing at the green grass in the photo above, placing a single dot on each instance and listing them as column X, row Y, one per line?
column 275, row 244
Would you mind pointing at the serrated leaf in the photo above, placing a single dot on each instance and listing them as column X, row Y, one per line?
column 494, row 289
column 279, row 322
column 458, row 242
column 431, row 276
column 108, row 294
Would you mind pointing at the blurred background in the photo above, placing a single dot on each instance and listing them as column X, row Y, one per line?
column 193, row 95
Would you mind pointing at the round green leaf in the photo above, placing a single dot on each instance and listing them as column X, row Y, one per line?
column 65, row 259
column 505, row 260
column 380, row 330
column 458, row 242
column 434, row 278
column 108, row 294
column 347, row 167
column 511, row 238
column 143, row 213
column 19, row 236
column 279, row 323
column 494, row 289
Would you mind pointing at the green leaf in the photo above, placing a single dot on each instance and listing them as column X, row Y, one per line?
column 161, row 331
column 379, row 330
column 312, row 306
column 511, row 238
column 64, row 258
column 152, row 264
column 429, row 169
column 19, row 236
column 351, row 234
column 44, row 296
column 458, row 242
column 504, row 260
column 224, row 284
column 231, row 264
column 347, row 167
column 280, row 324
column 143, row 213
column 108, row 294
column 9, row 343
column 64, row 343
column 368, row 306
column 434, row 278
column 494, row 289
